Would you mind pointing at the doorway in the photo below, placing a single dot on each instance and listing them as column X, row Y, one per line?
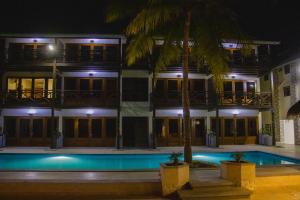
column 135, row 131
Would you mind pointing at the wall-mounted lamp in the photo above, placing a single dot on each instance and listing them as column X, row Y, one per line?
column 51, row 47
column 89, row 112
column 31, row 112
column 92, row 73
column 235, row 112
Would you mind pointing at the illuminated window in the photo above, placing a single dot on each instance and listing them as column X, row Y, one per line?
column 26, row 88
column 50, row 87
column 12, row 86
column 39, row 88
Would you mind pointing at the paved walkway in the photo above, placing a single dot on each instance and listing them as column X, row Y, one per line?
column 286, row 150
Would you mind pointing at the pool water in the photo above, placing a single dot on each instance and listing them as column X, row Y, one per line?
column 95, row 162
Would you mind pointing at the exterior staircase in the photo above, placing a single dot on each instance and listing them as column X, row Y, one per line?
column 216, row 189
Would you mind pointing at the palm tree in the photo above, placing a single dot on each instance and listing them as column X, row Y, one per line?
column 191, row 30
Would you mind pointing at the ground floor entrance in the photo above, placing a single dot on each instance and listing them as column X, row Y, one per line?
column 135, row 131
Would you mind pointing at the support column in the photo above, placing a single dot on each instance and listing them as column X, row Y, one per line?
column 1, row 121
column 150, row 128
column 60, row 123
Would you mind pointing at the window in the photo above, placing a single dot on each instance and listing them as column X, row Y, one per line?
column 199, row 128
column 37, row 128
column 173, row 127
column 251, row 87
column 26, row 85
column 173, row 89
column 24, row 127
column 266, row 77
column 214, row 125
column 97, row 87
column 160, row 88
column 83, row 128
column 159, row 127
column 50, row 87
column 96, row 128
column 228, row 127
column 111, row 127
column 39, row 88
column 10, row 126
column 252, row 127
column 240, row 127
column 12, row 86
column 85, row 51
column 84, row 85
column 68, row 128
column 286, row 91
column 287, row 69
column 49, row 126
column 199, row 85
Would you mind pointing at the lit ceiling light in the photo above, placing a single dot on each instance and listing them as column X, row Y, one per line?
column 51, row 47
column 31, row 111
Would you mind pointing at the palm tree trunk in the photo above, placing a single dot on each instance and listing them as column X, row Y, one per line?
column 185, row 96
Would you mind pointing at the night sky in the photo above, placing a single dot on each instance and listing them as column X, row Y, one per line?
column 262, row 19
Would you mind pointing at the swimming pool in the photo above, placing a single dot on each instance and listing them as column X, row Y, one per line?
column 105, row 162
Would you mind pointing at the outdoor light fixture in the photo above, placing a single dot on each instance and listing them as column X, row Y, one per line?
column 197, row 122
column 178, row 75
column 89, row 112
column 92, row 73
column 31, row 112
column 235, row 112
column 51, row 47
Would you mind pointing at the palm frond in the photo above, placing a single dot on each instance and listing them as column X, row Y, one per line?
column 139, row 46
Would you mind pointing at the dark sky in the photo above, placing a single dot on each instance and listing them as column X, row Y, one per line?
column 263, row 19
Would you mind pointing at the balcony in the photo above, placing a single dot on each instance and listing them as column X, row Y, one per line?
column 69, row 98
column 74, row 98
column 41, row 55
column 27, row 98
column 209, row 99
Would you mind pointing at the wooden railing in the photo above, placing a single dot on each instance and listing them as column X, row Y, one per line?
column 210, row 99
column 65, row 98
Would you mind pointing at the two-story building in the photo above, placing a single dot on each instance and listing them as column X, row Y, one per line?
column 97, row 100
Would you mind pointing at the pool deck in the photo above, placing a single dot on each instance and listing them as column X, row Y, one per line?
column 292, row 151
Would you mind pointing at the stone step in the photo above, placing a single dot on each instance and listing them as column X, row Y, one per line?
column 215, row 193
column 210, row 183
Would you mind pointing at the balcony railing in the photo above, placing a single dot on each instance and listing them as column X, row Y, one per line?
column 209, row 99
column 90, row 98
column 63, row 56
column 65, row 98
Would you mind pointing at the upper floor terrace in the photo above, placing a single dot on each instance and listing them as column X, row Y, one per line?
column 109, row 51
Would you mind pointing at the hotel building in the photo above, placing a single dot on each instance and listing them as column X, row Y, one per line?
column 100, row 101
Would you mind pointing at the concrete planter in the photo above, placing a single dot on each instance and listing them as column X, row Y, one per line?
column 242, row 174
column 173, row 178
column 268, row 140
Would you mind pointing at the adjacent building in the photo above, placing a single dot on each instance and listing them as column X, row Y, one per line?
column 284, row 82
column 97, row 100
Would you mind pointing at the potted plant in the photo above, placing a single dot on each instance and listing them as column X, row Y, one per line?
column 267, row 136
column 174, row 174
column 238, row 171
